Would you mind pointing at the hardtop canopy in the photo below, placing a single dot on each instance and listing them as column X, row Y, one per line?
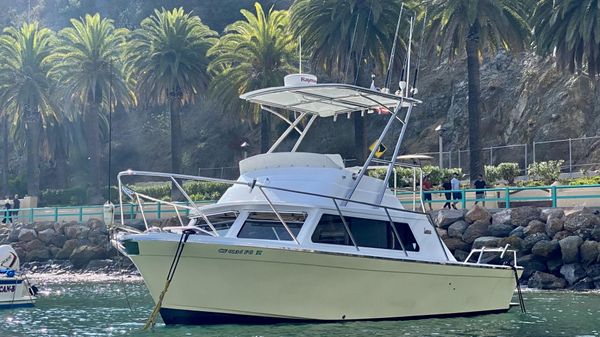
column 326, row 100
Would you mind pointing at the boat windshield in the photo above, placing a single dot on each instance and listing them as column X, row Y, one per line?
column 220, row 221
column 267, row 226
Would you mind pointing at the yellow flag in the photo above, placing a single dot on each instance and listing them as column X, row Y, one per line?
column 380, row 151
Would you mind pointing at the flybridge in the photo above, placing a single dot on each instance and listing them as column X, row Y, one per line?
column 331, row 100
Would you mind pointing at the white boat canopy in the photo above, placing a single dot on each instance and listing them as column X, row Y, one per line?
column 326, row 100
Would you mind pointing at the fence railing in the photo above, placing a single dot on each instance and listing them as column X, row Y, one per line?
column 86, row 212
column 511, row 196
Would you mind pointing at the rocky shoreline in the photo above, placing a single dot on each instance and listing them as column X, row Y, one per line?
column 559, row 248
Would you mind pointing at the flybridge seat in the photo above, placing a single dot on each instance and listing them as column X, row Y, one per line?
column 291, row 159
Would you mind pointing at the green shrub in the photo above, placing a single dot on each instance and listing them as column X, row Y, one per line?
column 437, row 175
column 547, row 171
column 404, row 176
column 491, row 174
column 508, row 172
column 595, row 180
column 66, row 197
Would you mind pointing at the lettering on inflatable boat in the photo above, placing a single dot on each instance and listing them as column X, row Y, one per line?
column 239, row 251
column 7, row 289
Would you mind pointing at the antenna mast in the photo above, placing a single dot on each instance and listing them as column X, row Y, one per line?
column 393, row 53
column 410, row 35
column 300, row 52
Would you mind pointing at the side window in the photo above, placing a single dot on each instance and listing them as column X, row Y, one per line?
column 366, row 232
column 266, row 226
column 221, row 221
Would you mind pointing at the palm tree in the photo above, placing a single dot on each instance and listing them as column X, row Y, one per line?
column 571, row 30
column 25, row 87
column 167, row 56
column 459, row 26
column 88, row 68
column 347, row 39
column 254, row 53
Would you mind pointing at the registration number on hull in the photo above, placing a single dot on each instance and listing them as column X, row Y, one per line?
column 239, row 251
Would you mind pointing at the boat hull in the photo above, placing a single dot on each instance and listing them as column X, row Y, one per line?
column 217, row 284
column 14, row 292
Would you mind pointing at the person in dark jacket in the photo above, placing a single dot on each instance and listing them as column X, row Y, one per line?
column 15, row 208
column 447, row 187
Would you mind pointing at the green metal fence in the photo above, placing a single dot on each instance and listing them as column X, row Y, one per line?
column 511, row 196
column 503, row 197
column 83, row 213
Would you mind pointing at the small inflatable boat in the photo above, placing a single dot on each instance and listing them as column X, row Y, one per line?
column 15, row 289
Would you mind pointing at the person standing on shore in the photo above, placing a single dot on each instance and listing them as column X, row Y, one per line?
column 447, row 186
column 7, row 217
column 479, row 185
column 15, row 208
column 427, row 187
column 456, row 194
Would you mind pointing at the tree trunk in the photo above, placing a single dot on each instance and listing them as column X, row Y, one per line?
column 265, row 131
column 472, row 46
column 5, row 149
column 360, row 138
column 176, row 139
column 62, row 168
column 92, row 132
column 33, row 130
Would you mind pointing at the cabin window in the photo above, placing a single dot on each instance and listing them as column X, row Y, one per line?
column 221, row 222
column 366, row 232
column 266, row 226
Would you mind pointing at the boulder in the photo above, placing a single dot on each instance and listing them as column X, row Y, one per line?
column 442, row 233
column 476, row 230
column 457, row 229
column 534, row 226
column 487, row 241
column 546, row 249
column 554, row 265
column 541, row 280
column 531, row 263
column 460, row 255
column 501, row 230
column 59, row 227
column 43, row 225
column 573, row 272
column 549, row 213
column 478, row 213
column 67, row 249
column 97, row 225
column 588, row 252
column 34, row 245
column 561, row 235
column 502, row 217
column 596, row 233
column 446, row 217
column 593, row 271
column 456, row 244
column 521, row 216
column 584, row 284
column 27, row 234
column 553, row 226
column 76, row 232
column 50, row 236
column 13, row 235
column 41, row 254
column 82, row 255
column 531, row 240
column 514, row 242
column 519, row 231
column 569, row 248
column 581, row 222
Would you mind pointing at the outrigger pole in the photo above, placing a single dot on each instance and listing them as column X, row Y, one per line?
column 393, row 53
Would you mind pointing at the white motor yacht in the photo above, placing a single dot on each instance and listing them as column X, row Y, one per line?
column 300, row 237
column 15, row 289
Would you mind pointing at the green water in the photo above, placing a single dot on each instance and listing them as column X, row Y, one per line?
column 92, row 306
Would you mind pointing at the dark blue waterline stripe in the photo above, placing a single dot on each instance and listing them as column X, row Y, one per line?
column 5, row 281
column 189, row 317
column 12, row 306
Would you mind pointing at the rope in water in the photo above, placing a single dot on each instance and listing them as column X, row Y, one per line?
column 152, row 319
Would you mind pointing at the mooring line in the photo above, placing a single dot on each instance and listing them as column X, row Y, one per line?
column 519, row 293
column 152, row 319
